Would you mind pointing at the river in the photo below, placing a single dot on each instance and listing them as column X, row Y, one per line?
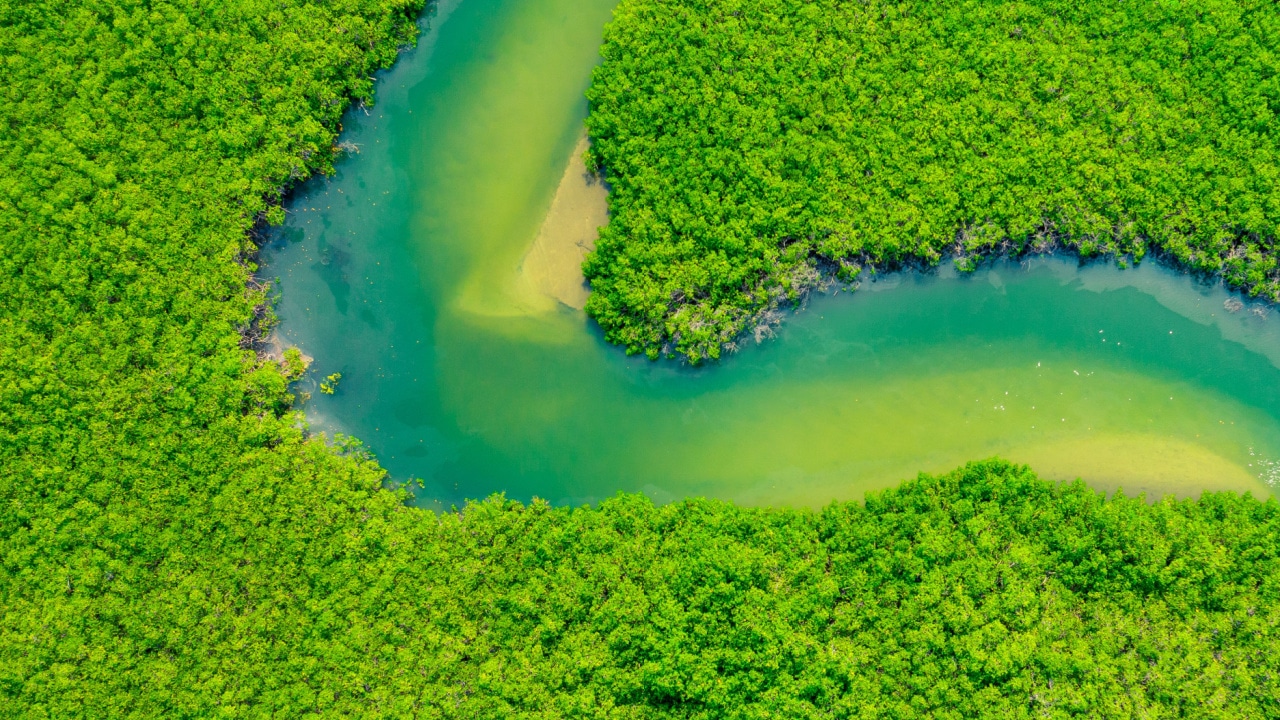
column 404, row 273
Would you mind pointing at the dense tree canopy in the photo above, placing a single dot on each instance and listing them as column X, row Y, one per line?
column 173, row 545
column 986, row 593
column 170, row 543
column 754, row 146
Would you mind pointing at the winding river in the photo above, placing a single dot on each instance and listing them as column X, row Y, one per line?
column 420, row 273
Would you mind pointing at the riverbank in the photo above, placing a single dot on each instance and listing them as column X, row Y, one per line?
column 996, row 131
column 457, row 371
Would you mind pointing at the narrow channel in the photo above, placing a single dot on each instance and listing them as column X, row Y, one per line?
column 431, row 273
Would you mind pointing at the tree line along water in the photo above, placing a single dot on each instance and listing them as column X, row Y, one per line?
column 403, row 273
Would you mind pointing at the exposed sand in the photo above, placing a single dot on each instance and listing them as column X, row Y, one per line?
column 553, row 265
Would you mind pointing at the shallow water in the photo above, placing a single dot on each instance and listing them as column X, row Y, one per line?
column 403, row 273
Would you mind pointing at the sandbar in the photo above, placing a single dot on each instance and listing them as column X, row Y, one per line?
column 553, row 265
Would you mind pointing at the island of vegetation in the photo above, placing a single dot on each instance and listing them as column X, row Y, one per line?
column 173, row 544
column 756, row 148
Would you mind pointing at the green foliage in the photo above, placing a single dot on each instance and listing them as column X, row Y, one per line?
column 985, row 593
column 170, row 544
column 292, row 364
column 173, row 545
column 754, row 146
column 329, row 385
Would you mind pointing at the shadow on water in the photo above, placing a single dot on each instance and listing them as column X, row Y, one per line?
column 403, row 272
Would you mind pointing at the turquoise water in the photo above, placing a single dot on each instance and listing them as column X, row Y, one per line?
column 402, row 272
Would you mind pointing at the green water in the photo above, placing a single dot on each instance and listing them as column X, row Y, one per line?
column 402, row 273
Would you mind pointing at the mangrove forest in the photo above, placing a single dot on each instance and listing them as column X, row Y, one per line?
column 755, row 147
column 186, row 533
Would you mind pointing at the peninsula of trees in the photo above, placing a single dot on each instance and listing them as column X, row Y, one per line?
column 173, row 545
column 756, row 146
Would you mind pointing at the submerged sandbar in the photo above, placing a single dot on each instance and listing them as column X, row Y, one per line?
column 553, row 265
